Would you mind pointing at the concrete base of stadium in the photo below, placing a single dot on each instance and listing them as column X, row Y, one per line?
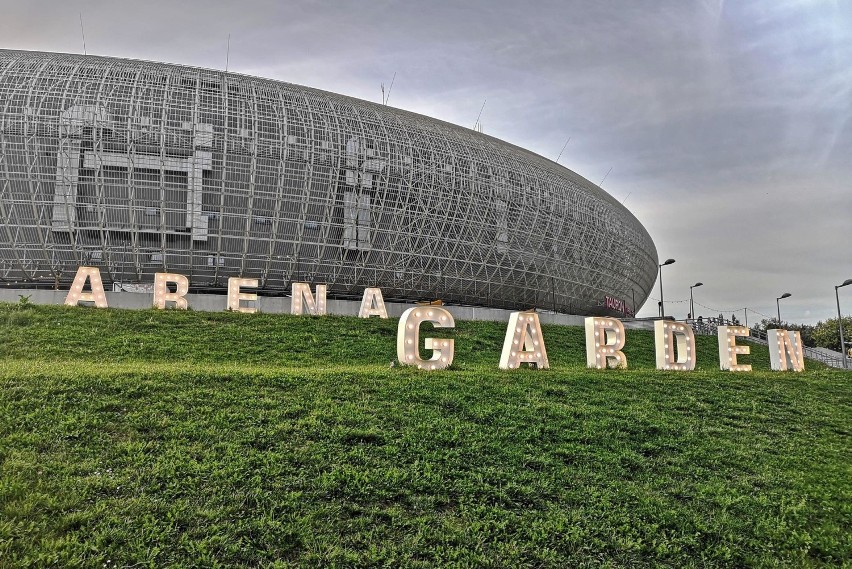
column 281, row 305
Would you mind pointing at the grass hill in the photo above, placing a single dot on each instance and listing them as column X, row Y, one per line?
column 166, row 438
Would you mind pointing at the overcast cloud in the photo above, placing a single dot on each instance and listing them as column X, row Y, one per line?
column 727, row 125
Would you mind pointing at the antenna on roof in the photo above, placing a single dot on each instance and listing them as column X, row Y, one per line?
column 228, row 54
column 385, row 99
column 82, row 33
column 477, row 124
column 604, row 178
column 563, row 150
column 625, row 198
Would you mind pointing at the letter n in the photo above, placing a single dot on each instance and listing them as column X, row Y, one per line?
column 785, row 350
column 302, row 298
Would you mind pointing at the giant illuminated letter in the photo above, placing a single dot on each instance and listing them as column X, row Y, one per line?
column 524, row 343
column 728, row 348
column 604, row 341
column 408, row 338
column 302, row 298
column 162, row 294
column 235, row 296
column 372, row 304
column 667, row 335
column 76, row 294
column 785, row 350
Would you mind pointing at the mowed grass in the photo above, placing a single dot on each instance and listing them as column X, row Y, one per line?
column 165, row 438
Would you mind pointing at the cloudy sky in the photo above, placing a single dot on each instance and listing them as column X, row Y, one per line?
column 727, row 124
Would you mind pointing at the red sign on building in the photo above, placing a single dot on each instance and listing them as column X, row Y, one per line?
column 618, row 305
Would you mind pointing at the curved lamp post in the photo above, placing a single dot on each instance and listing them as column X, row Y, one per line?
column 778, row 305
column 691, row 303
column 663, row 306
column 840, row 319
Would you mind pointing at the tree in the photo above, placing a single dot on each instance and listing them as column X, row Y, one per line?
column 827, row 334
column 806, row 331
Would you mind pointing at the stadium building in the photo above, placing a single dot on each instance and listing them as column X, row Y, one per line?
column 138, row 167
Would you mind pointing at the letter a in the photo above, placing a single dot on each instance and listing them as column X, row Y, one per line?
column 373, row 304
column 524, row 343
column 76, row 294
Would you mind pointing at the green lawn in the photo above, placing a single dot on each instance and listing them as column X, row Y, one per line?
column 165, row 438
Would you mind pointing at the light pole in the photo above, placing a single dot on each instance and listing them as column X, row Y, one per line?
column 691, row 303
column 778, row 305
column 840, row 319
column 663, row 306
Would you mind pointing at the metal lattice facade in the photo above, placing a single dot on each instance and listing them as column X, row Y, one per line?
column 140, row 167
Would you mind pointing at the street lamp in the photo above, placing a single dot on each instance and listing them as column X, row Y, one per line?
column 778, row 306
column 691, row 304
column 663, row 306
column 840, row 319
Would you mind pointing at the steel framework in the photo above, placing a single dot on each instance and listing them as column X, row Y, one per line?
column 141, row 167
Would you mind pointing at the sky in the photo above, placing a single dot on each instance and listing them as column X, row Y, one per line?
column 724, row 126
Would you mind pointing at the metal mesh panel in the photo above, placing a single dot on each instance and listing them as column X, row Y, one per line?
column 140, row 167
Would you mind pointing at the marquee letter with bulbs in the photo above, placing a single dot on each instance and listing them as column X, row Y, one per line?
column 524, row 343
column 785, row 350
column 372, row 304
column 235, row 296
column 408, row 338
column 303, row 298
column 162, row 296
column 667, row 336
column 76, row 294
column 604, row 341
column 729, row 349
